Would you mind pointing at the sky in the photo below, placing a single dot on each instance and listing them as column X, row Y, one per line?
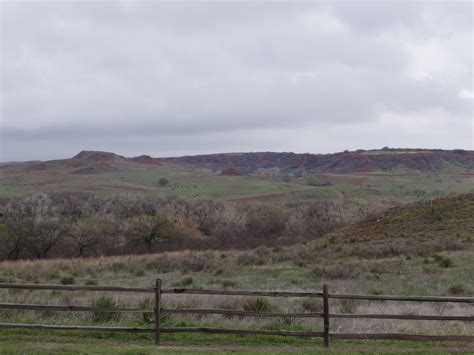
column 184, row 78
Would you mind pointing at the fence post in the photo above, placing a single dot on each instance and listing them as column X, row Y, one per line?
column 326, row 315
column 157, row 310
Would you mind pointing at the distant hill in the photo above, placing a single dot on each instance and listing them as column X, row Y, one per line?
column 384, row 177
column 97, row 156
column 360, row 161
column 345, row 162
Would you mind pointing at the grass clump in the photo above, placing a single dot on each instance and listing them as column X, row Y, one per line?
column 260, row 305
column 458, row 289
column 106, row 302
column 443, row 261
column 312, row 306
column 67, row 280
column 185, row 282
column 91, row 282
column 348, row 306
column 147, row 303
column 376, row 292
column 139, row 272
column 229, row 284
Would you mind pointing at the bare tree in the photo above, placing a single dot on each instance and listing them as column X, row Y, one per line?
column 150, row 230
column 45, row 235
column 86, row 235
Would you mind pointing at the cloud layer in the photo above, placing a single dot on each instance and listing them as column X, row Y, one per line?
column 189, row 78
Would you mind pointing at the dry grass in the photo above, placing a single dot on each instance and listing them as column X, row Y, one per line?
column 393, row 264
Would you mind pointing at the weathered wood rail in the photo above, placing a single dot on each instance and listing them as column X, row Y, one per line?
column 158, row 309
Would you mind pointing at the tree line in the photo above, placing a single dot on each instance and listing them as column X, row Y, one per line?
column 78, row 225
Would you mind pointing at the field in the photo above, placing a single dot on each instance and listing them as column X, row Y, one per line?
column 143, row 180
column 378, row 188
column 420, row 249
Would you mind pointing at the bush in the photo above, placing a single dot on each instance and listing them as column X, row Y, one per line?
column 197, row 262
column 163, row 182
column 91, row 282
column 375, row 292
column 187, row 281
column 336, row 272
column 266, row 223
column 249, row 258
column 104, row 302
column 67, row 280
column 457, row 289
column 147, row 303
column 139, row 272
column 229, row 284
column 311, row 305
column 348, row 306
column 260, row 305
column 443, row 261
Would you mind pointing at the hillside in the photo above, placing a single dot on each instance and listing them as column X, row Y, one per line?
column 369, row 179
column 344, row 163
column 441, row 218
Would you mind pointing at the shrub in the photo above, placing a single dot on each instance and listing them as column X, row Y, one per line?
column 163, row 182
column 457, row 289
column 219, row 271
column 336, row 272
column 187, row 281
column 286, row 322
column 104, row 302
column 229, row 303
column 443, row 261
column 311, row 305
column 260, row 305
column 117, row 266
column 139, row 272
column 147, row 303
column 197, row 262
column 91, row 282
column 266, row 223
column 249, row 258
column 229, row 283
column 67, row 280
column 348, row 306
column 376, row 292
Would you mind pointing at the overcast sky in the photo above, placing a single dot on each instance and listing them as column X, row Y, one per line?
column 179, row 78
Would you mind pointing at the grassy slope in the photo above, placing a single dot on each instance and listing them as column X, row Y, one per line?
column 142, row 179
column 380, row 189
column 444, row 217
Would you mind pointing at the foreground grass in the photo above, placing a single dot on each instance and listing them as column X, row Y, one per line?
column 32, row 342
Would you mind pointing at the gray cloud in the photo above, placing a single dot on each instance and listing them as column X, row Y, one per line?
column 183, row 78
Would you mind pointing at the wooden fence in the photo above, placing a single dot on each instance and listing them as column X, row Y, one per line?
column 158, row 329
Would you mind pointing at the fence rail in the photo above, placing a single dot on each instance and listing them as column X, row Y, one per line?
column 157, row 310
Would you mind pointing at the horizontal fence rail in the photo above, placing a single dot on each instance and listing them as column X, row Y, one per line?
column 231, row 312
column 403, row 298
column 158, row 309
column 61, row 308
column 77, row 288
